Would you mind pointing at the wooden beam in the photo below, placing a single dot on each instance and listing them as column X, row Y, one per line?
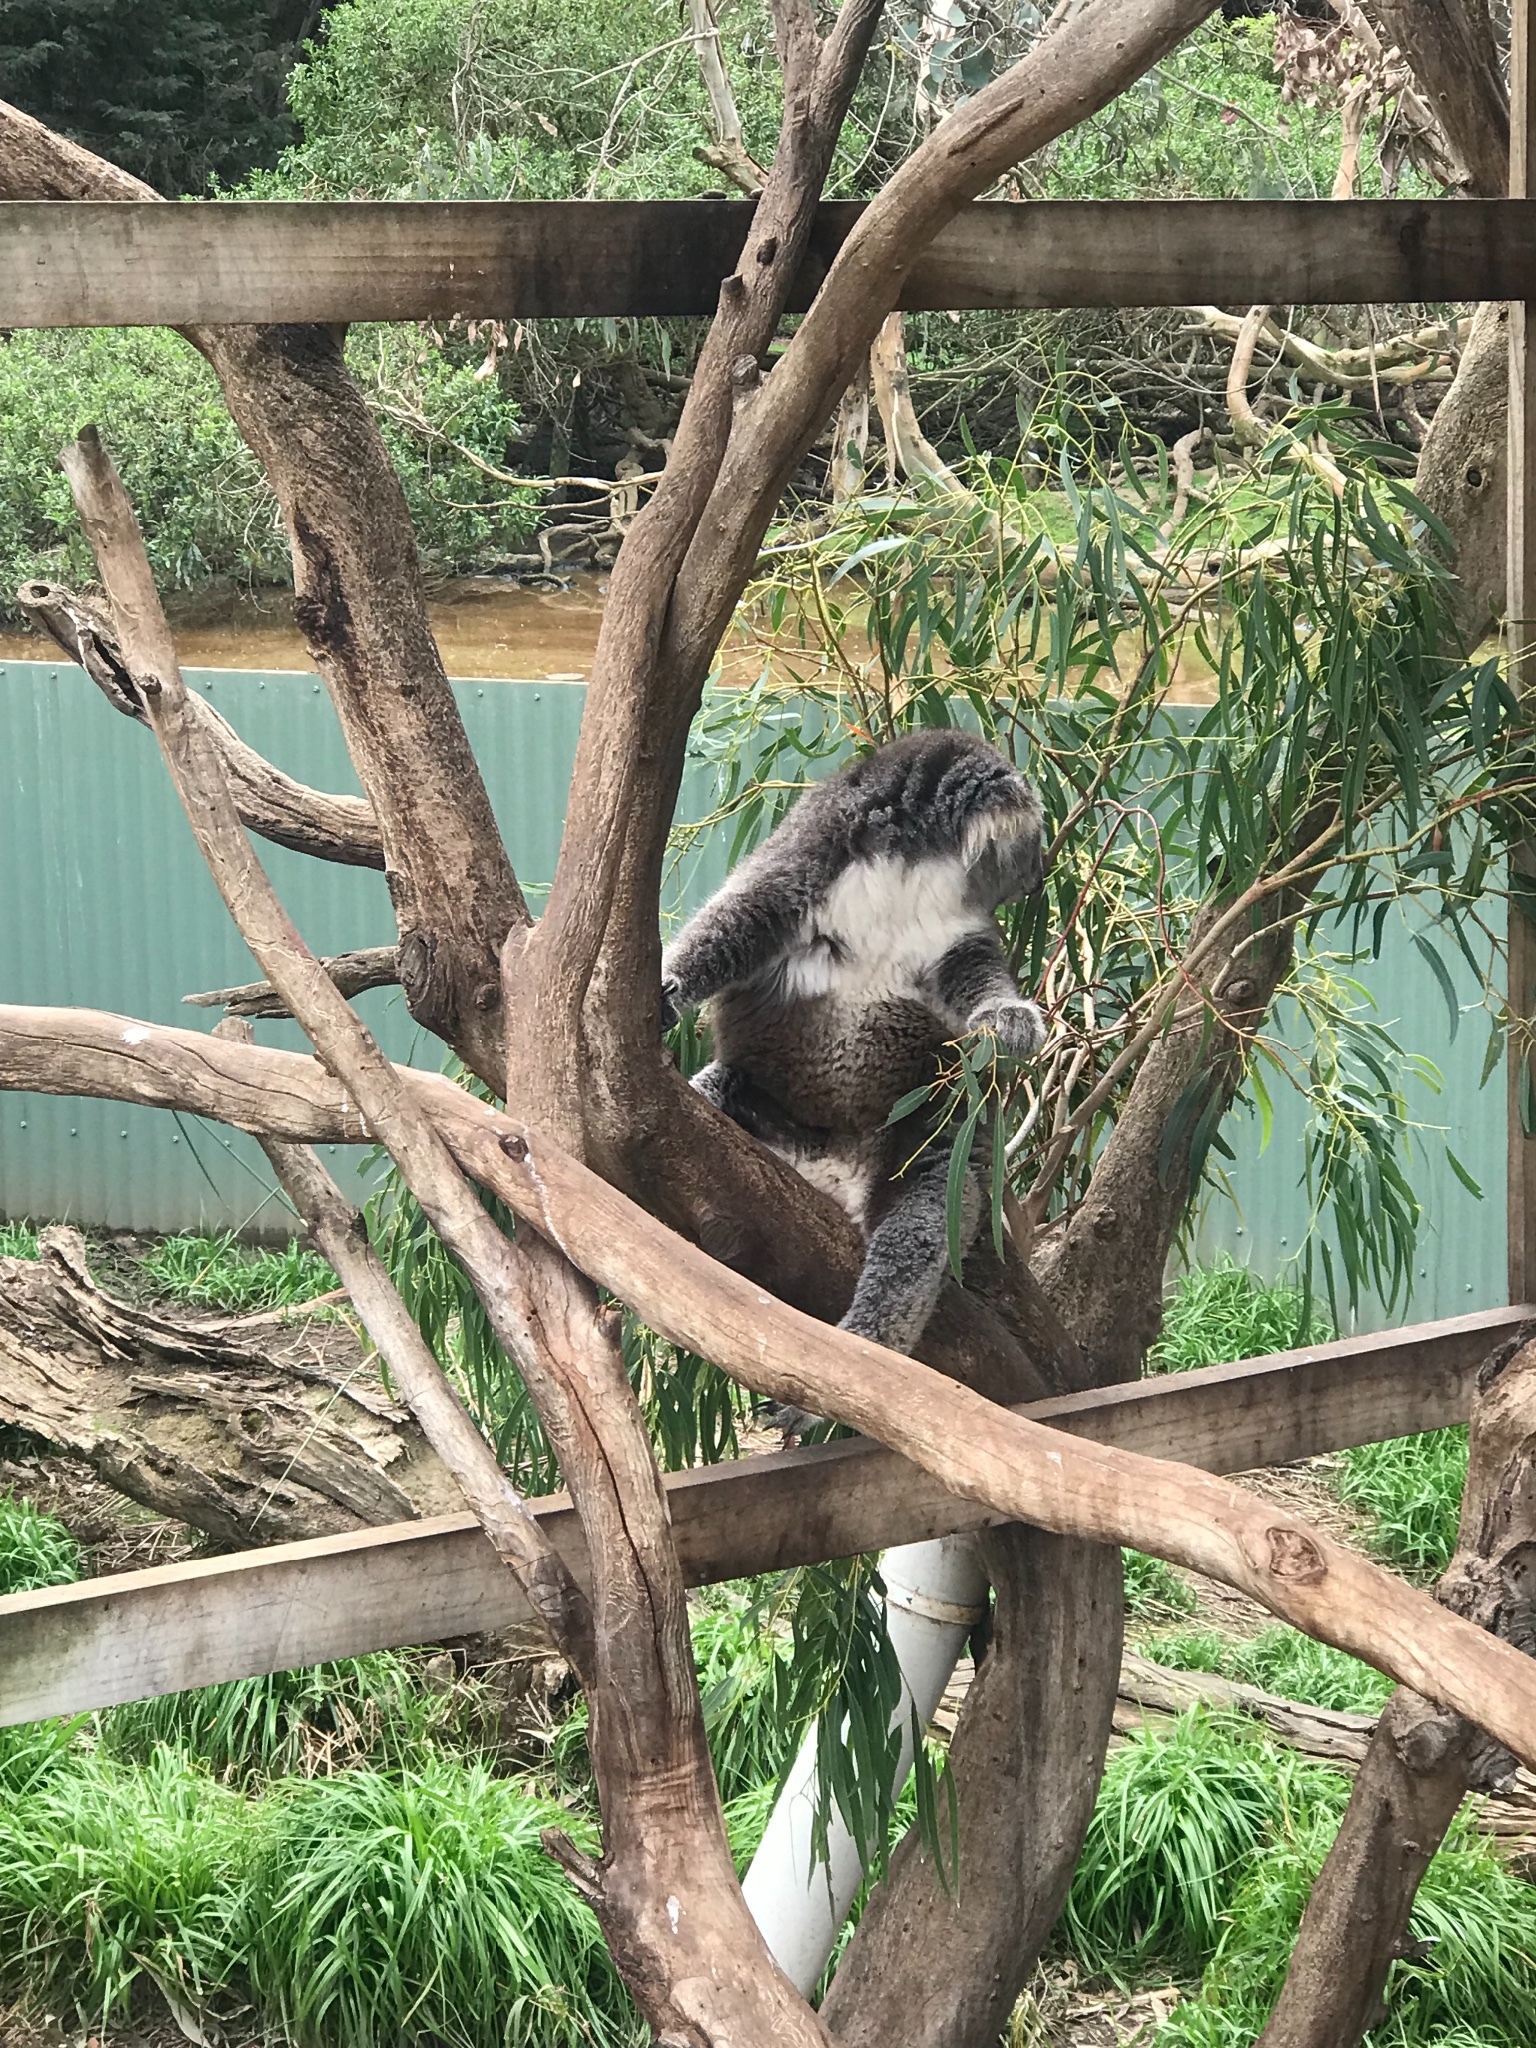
column 1520, row 640
column 84, row 264
column 131, row 1636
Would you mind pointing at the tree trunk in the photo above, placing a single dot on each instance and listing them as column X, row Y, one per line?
column 1464, row 468
column 931, row 1968
column 190, row 1421
column 1454, row 54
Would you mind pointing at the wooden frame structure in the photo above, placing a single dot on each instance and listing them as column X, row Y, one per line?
column 77, row 1647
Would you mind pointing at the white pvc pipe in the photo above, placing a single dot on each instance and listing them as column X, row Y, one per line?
column 935, row 1593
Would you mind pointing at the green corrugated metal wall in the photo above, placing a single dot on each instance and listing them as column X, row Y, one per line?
column 104, row 902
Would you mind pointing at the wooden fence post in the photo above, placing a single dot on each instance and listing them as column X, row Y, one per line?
column 1520, row 631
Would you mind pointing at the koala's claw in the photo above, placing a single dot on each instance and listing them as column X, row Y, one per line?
column 1017, row 1026
column 671, row 1008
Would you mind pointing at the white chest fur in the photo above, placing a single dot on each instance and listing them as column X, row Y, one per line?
column 881, row 927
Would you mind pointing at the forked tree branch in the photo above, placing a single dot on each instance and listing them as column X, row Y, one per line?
column 667, row 1857
column 360, row 605
column 1025, row 1471
column 289, row 813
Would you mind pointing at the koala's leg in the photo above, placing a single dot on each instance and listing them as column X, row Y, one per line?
column 908, row 1250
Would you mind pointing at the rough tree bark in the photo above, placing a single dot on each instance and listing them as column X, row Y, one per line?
column 1422, row 1760
column 1463, row 465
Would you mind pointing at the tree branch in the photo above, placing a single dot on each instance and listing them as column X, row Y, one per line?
column 289, row 813
column 359, row 603
column 1422, row 1760
column 1025, row 1471
column 667, row 1858
column 353, row 973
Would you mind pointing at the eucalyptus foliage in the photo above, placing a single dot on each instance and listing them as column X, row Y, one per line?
column 1256, row 712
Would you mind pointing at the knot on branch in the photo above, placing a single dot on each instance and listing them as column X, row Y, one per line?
column 1294, row 1556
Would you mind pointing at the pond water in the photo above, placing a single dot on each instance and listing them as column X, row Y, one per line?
column 486, row 626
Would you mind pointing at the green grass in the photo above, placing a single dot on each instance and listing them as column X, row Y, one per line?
column 109, row 1877
column 35, row 1549
column 221, row 1273
column 1476, row 1990
column 1203, row 1848
column 1180, row 1820
column 388, row 1912
column 363, row 1911
column 1281, row 1661
column 1154, row 1591
column 1221, row 1312
column 17, row 1241
column 308, row 1723
column 1412, row 1489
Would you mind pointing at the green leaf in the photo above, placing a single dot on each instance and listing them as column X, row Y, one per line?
column 1472, row 1187
column 1442, row 974
column 954, row 1197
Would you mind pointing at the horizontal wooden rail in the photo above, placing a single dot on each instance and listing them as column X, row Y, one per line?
column 88, row 264
column 73, row 1648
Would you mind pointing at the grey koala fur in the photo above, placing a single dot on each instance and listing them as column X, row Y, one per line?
column 838, row 960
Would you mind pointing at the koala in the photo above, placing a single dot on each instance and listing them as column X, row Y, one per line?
column 836, row 963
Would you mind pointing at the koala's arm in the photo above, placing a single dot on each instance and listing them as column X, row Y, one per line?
column 738, row 933
column 972, row 988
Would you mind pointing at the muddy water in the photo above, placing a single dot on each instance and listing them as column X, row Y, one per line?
column 485, row 627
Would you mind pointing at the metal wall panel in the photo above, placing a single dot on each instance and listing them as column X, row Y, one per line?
column 104, row 901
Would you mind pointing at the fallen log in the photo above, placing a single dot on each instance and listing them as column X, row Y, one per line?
column 188, row 1418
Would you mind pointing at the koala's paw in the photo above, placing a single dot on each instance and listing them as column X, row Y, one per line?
column 671, row 1003
column 1017, row 1026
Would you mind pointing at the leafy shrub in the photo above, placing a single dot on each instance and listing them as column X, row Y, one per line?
column 1222, row 1312
column 388, row 1912
column 199, row 493
column 1412, row 1485
column 221, row 1273
column 35, row 1549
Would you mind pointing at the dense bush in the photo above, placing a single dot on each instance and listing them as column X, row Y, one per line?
column 200, row 496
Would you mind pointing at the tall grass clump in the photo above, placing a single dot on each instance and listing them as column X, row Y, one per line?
column 1221, row 1312
column 35, row 1549
column 113, row 1878
column 307, row 1723
column 387, row 1912
column 1475, row 1989
column 1412, row 1486
column 221, row 1273
column 17, row 1241
column 1181, row 1819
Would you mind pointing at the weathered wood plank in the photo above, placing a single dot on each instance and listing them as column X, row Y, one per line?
column 141, row 1633
column 84, row 264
